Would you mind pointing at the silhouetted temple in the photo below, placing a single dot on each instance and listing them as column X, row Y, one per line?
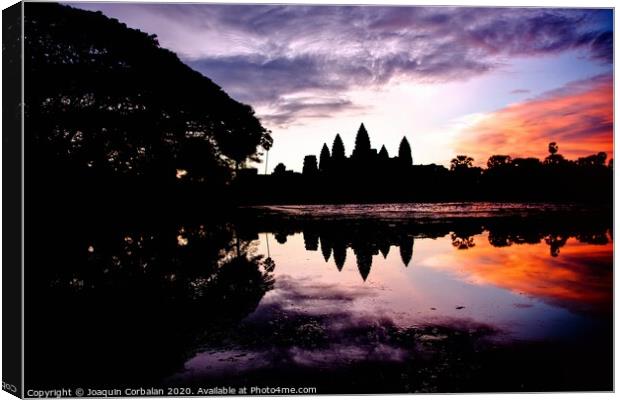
column 363, row 160
column 368, row 175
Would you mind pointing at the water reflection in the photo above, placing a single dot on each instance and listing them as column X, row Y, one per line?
column 364, row 241
column 348, row 305
column 450, row 321
column 129, row 305
column 527, row 267
column 367, row 240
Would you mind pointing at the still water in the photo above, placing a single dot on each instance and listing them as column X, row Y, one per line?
column 518, row 292
column 347, row 300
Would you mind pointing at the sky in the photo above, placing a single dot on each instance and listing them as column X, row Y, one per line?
column 453, row 80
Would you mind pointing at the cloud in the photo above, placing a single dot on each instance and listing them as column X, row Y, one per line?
column 287, row 111
column 577, row 279
column 578, row 116
column 319, row 325
column 260, row 53
column 259, row 78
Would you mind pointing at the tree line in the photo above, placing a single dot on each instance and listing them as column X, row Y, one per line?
column 371, row 175
column 109, row 111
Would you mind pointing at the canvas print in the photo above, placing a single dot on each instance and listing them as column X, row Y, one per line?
column 316, row 199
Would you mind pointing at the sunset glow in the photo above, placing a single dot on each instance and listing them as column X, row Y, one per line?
column 479, row 81
column 579, row 116
column 570, row 279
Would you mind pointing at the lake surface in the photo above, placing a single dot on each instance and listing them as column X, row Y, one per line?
column 362, row 299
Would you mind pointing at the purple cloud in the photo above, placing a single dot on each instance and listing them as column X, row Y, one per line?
column 261, row 53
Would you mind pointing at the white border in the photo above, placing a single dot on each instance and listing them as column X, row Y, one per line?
column 487, row 3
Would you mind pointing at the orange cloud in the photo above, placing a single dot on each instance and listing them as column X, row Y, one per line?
column 579, row 278
column 579, row 117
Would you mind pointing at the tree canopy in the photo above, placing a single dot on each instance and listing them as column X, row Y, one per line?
column 280, row 169
column 461, row 162
column 104, row 97
column 498, row 161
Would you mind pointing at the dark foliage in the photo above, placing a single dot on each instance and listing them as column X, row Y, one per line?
column 107, row 107
column 142, row 293
column 280, row 169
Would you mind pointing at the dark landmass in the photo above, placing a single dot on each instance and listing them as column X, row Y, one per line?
column 115, row 121
column 374, row 177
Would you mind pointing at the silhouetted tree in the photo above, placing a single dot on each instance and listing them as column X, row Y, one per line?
column 362, row 143
column 404, row 152
column 498, row 161
column 280, row 169
column 194, row 158
column 107, row 100
column 553, row 148
column 462, row 241
column 310, row 168
column 137, row 274
column 555, row 242
column 595, row 160
column 593, row 237
column 324, row 159
column 497, row 239
column 529, row 163
column 461, row 162
column 554, row 158
column 241, row 140
column 281, row 237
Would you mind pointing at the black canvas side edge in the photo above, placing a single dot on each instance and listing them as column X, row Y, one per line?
column 12, row 335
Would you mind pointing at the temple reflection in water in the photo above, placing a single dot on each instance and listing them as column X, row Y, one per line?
column 299, row 299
